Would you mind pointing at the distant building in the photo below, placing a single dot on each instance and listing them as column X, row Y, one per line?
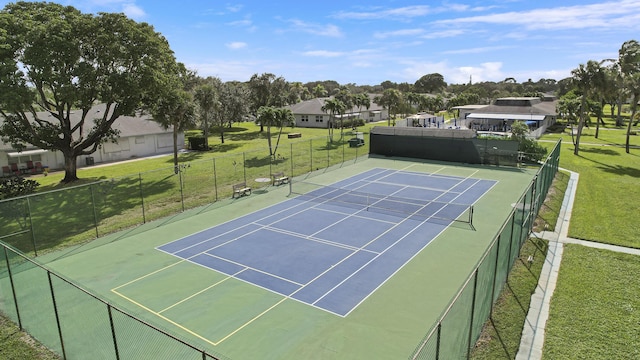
column 537, row 113
column 309, row 113
column 140, row 136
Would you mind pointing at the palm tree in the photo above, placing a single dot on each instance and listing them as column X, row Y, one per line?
column 628, row 62
column 206, row 98
column 632, row 82
column 270, row 116
column 319, row 91
column 391, row 100
column 585, row 78
column 413, row 99
column 332, row 106
column 362, row 100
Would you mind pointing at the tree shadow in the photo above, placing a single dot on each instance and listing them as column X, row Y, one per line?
column 247, row 136
column 264, row 161
column 615, row 169
column 600, row 150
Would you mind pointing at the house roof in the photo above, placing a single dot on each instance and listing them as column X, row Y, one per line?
column 128, row 125
column 314, row 107
column 519, row 106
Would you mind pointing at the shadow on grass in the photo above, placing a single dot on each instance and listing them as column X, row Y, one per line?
column 614, row 168
column 501, row 335
column 600, row 150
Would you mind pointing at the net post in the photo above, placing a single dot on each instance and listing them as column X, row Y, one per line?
column 471, row 215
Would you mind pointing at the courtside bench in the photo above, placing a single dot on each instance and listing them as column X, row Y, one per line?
column 241, row 189
column 279, row 178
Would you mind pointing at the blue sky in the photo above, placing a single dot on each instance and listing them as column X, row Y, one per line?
column 370, row 41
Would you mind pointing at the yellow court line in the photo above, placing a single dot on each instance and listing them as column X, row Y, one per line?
column 158, row 314
column 167, row 319
column 149, row 274
column 252, row 320
column 196, row 294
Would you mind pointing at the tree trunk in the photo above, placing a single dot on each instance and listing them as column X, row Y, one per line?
column 619, row 117
column 222, row 134
column 269, row 141
column 175, row 149
column 633, row 113
column 206, row 130
column 70, row 168
column 576, row 148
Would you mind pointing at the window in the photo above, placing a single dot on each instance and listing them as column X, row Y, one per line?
column 304, row 118
column 139, row 139
column 319, row 118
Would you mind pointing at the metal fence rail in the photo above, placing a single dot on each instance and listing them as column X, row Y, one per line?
column 44, row 221
column 460, row 325
column 77, row 324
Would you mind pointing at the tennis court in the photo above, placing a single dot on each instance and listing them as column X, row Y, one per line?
column 333, row 246
column 355, row 262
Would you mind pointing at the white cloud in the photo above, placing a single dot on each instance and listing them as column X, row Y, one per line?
column 322, row 53
column 133, row 11
column 612, row 14
column 407, row 12
column 444, row 34
column 402, row 32
column 236, row 45
column 316, row 29
column 476, row 50
column 488, row 71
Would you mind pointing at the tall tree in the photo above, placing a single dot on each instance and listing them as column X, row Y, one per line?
column 233, row 105
column 628, row 62
column 585, row 78
column 319, row 91
column 56, row 59
column 267, row 90
column 430, row 83
column 175, row 108
column 391, row 100
column 632, row 82
column 275, row 117
column 206, row 97
column 333, row 106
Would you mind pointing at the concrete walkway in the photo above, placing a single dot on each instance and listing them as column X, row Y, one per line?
column 533, row 331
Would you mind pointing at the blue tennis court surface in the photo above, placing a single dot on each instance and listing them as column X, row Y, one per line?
column 334, row 246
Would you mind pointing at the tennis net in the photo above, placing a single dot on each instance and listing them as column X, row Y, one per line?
column 415, row 209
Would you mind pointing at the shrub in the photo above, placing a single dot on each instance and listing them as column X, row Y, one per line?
column 16, row 186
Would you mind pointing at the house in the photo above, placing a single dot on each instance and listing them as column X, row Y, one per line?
column 309, row 113
column 537, row 113
column 140, row 136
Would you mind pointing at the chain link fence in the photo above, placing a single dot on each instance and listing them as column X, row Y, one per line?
column 48, row 221
column 455, row 334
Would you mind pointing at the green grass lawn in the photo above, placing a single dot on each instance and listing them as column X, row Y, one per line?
column 609, row 180
column 15, row 344
column 595, row 310
column 500, row 338
column 606, row 204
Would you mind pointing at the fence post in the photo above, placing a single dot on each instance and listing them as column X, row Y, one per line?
column 13, row 288
column 33, row 233
column 181, row 187
column 438, row 337
column 495, row 274
column 291, row 156
column 55, row 310
column 215, row 179
column 513, row 221
column 144, row 218
column 95, row 213
column 310, row 155
column 473, row 310
column 244, row 167
column 113, row 332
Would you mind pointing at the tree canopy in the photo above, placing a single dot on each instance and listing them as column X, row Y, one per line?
column 55, row 59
